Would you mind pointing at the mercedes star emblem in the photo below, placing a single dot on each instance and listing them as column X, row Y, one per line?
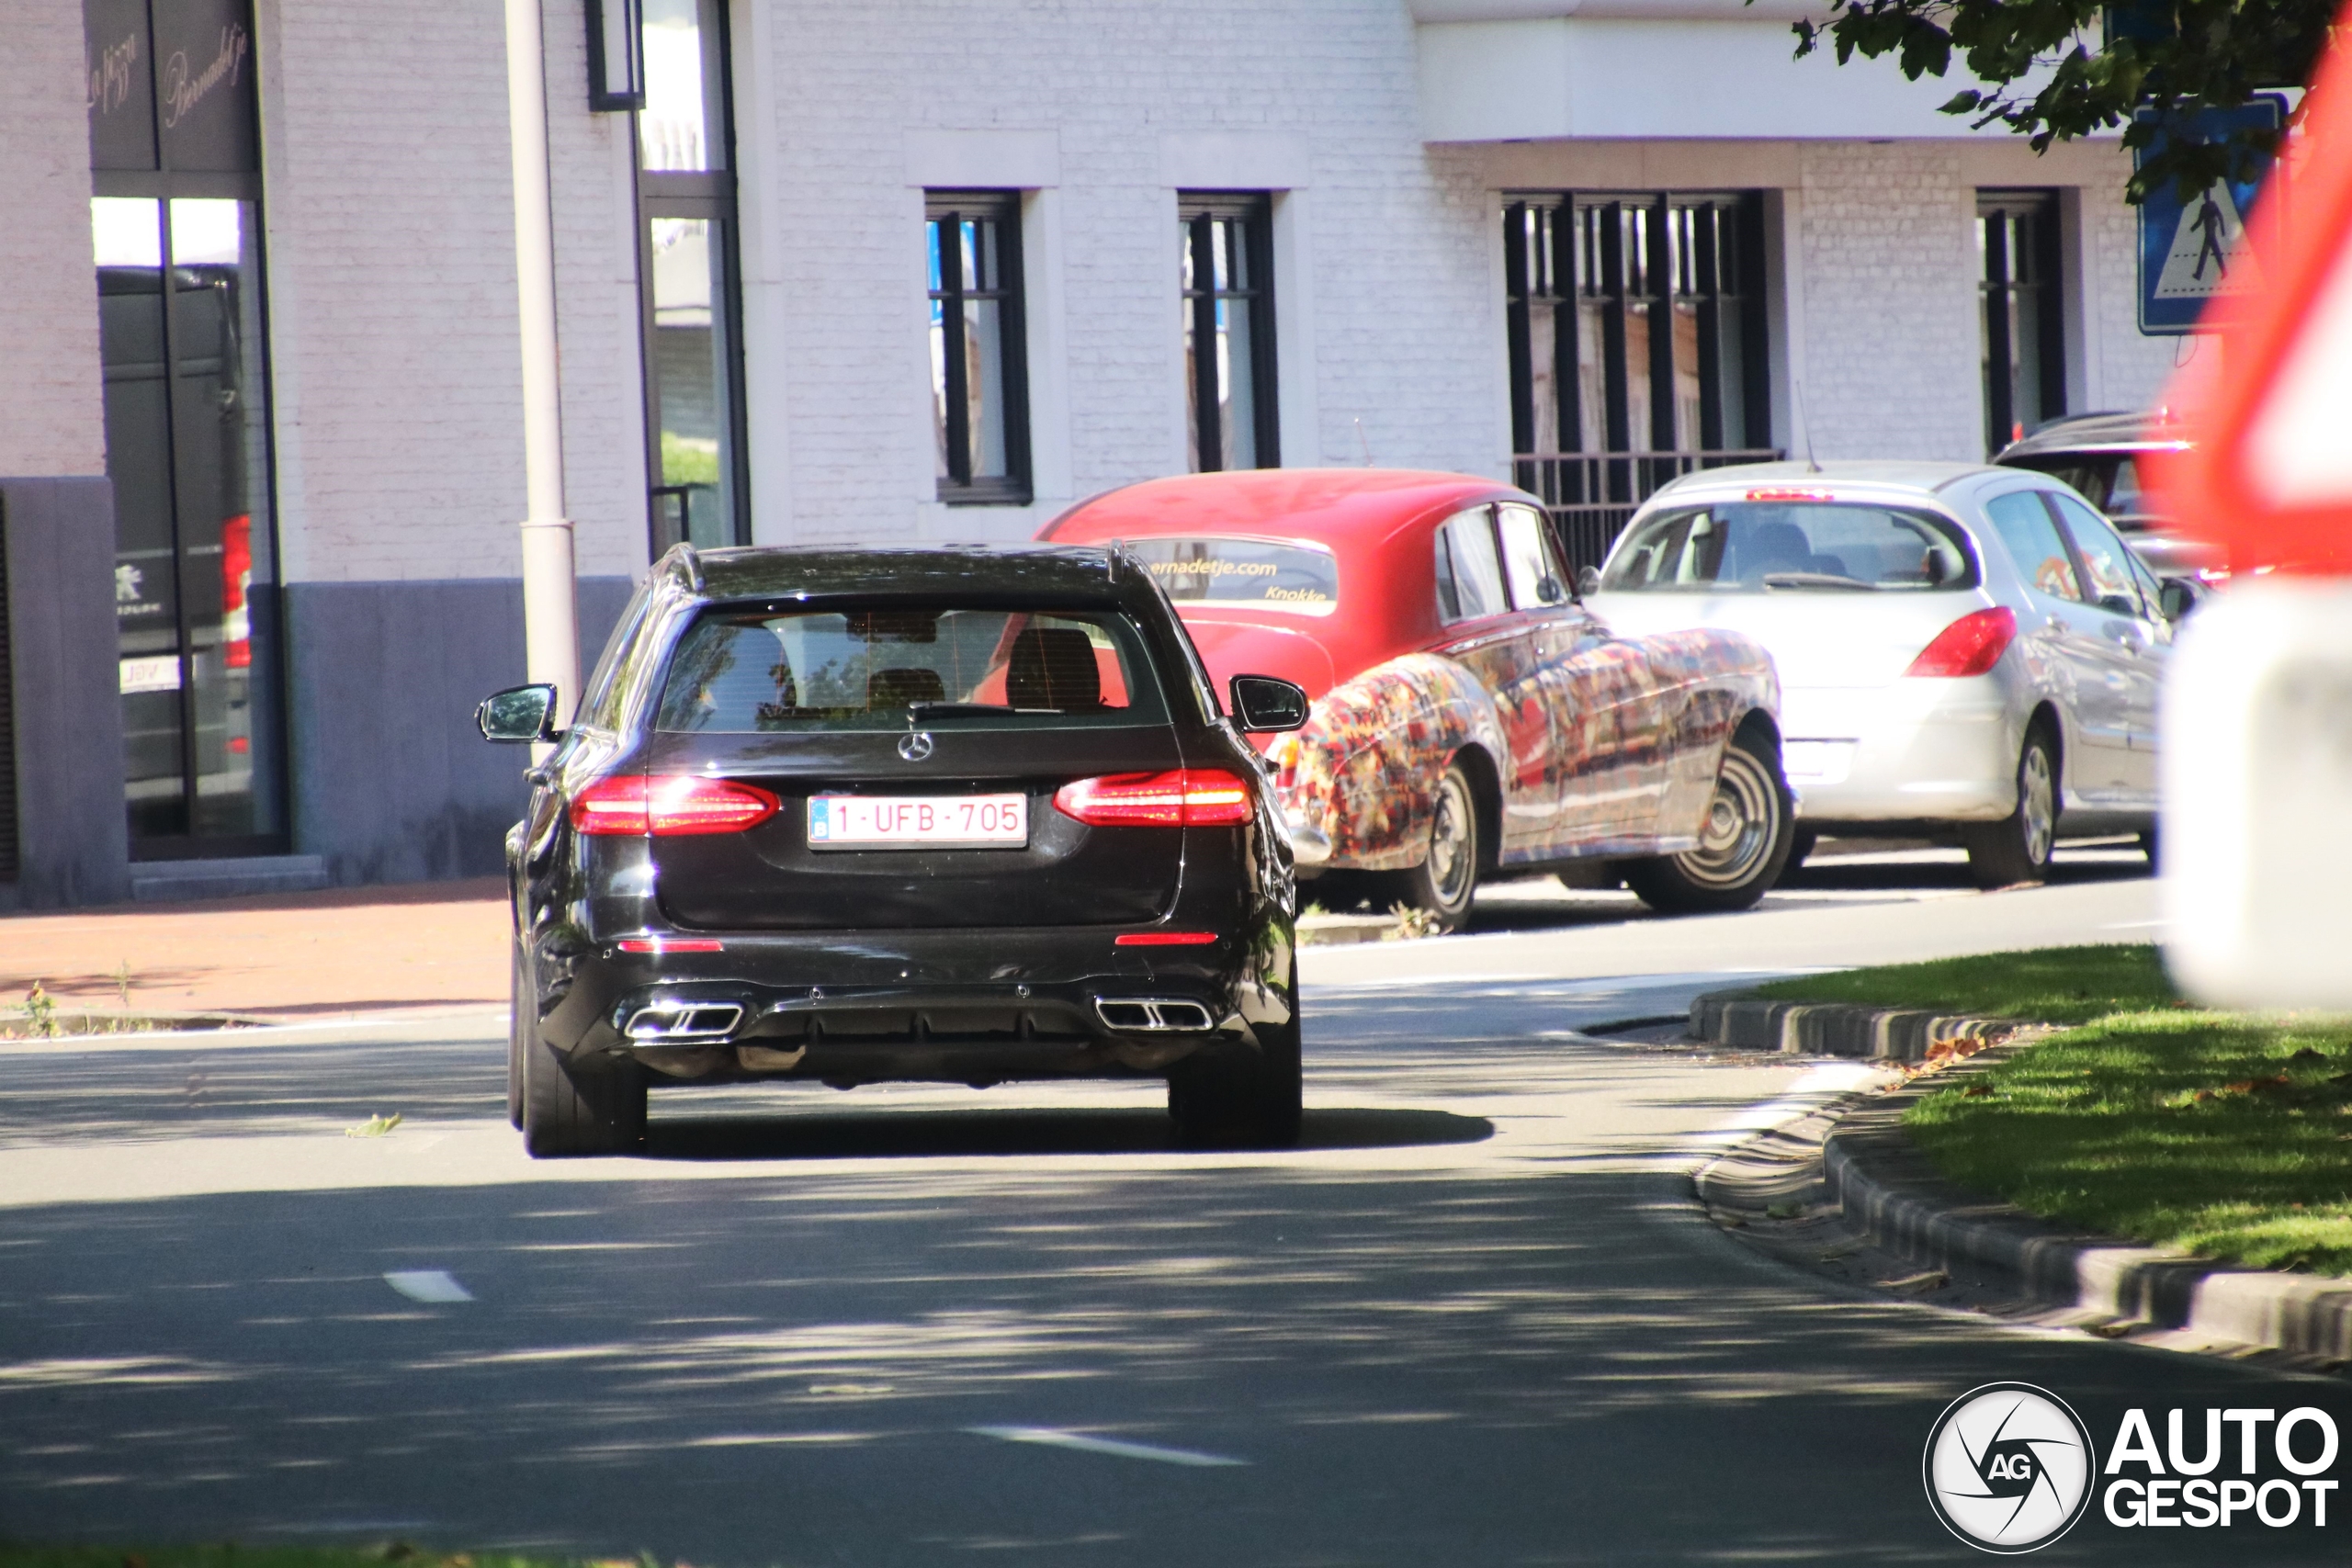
column 915, row 745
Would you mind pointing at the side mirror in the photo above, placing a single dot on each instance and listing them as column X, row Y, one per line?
column 519, row 713
column 1548, row 590
column 2176, row 596
column 1587, row 581
column 1262, row 704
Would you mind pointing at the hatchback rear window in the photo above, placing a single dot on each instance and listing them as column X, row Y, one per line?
column 1783, row 547
column 1264, row 574
column 890, row 666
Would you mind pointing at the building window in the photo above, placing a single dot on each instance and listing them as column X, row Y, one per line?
column 2021, row 317
column 1226, row 261
column 1635, row 327
column 177, row 240
column 980, row 400
column 691, row 299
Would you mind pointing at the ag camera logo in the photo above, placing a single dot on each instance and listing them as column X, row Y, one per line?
column 2009, row 1468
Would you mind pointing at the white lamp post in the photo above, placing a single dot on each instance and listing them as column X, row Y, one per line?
column 550, row 612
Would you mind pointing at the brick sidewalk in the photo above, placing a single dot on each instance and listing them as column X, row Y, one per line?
column 287, row 955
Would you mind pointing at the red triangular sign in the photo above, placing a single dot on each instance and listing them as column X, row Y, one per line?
column 2269, row 476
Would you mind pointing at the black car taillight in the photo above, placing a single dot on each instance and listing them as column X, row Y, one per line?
column 674, row 806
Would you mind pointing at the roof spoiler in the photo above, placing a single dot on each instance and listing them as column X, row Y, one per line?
column 683, row 562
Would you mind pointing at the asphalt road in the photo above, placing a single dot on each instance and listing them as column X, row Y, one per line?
column 1476, row 1319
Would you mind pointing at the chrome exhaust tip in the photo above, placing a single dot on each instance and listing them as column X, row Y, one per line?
column 669, row 1023
column 1153, row 1015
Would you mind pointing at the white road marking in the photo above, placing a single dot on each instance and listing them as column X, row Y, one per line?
column 1054, row 1438
column 427, row 1285
column 2130, row 925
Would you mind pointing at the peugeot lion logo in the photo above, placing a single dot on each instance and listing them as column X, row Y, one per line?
column 2008, row 1467
column 915, row 745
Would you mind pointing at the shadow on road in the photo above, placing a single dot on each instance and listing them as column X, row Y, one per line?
column 912, row 1134
column 1887, row 871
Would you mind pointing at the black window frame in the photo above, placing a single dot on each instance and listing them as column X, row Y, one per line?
column 1199, row 213
column 2001, row 278
column 958, row 486
column 707, row 195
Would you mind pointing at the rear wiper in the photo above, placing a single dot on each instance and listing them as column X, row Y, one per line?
column 1814, row 579
column 954, row 710
column 966, row 710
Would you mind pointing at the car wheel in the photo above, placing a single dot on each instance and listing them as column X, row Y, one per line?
column 1447, row 879
column 2017, row 848
column 1241, row 1101
column 572, row 1106
column 520, row 1036
column 1744, row 841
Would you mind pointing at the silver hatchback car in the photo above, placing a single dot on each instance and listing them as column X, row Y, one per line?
column 1964, row 651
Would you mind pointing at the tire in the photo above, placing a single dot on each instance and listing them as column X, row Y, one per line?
column 575, row 1107
column 1802, row 843
column 520, row 1036
column 1447, row 879
column 1744, row 844
column 1242, row 1101
column 2017, row 849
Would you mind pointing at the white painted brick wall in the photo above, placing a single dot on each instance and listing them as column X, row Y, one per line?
column 2132, row 369
column 1405, row 335
column 51, row 421
column 398, row 375
column 1883, row 267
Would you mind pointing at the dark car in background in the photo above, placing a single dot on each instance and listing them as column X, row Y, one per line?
column 2100, row 456
column 962, row 815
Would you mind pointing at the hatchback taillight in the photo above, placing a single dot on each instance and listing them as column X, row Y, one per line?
column 671, row 806
column 1970, row 646
column 1183, row 798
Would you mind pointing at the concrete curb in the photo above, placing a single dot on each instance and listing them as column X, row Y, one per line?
column 1883, row 1185
column 1741, row 1021
column 1329, row 930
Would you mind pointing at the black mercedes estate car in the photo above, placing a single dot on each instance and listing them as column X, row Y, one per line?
column 953, row 814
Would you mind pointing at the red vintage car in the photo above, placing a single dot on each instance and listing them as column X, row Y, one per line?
column 1471, row 719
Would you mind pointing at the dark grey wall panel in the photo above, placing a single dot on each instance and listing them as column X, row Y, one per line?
column 73, row 847
column 391, row 781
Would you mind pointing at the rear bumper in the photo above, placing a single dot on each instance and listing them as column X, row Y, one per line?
column 956, row 1006
column 1914, row 749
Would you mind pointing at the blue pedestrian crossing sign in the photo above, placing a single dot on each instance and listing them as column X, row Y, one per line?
column 2189, row 252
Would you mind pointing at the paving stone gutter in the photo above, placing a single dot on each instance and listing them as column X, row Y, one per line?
column 1886, row 1188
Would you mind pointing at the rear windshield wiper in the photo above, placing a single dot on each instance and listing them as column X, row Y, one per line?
column 1814, row 579
column 966, row 710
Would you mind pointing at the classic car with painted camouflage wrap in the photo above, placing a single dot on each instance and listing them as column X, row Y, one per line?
column 1471, row 718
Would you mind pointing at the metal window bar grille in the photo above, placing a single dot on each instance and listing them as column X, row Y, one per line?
column 1567, row 482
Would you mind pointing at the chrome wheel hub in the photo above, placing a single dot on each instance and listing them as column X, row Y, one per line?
column 1742, row 824
column 1450, row 846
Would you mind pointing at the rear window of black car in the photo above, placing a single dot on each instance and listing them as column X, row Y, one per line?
column 890, row 666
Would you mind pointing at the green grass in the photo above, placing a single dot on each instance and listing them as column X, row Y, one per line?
column 2050, row 985
column 2226, row 1133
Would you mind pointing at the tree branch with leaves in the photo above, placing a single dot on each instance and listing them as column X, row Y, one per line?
column 2055, row 70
